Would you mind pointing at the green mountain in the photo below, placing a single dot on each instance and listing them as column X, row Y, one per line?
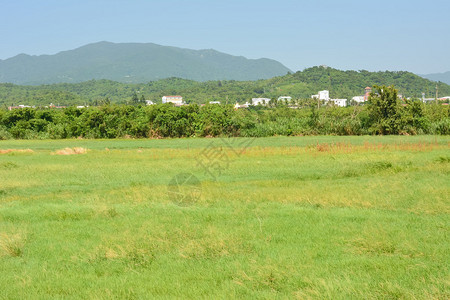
column 299, row 85
column 134, row 63
column 442, row 77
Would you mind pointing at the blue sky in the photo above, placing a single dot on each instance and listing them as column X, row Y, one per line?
column 347, row 34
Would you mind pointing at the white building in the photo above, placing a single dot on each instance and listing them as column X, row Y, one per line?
column 149, row 102
column 339, row 102
column 358, row 99
column 237, row 105
column 325, row 96
column 322, row 95
column 262, row 101
column 19, row 107
column 177, row 100
column 214, row 102
column 285, row 99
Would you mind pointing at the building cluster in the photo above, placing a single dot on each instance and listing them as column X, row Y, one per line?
column 320, row 96
column 263, row 102
column 19, row 107
column 55, row 106
column 176, row 100
column 325, row 96
column 425, row 100
column 363, row 98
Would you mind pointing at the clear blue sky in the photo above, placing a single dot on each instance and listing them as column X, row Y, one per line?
column 346, row 34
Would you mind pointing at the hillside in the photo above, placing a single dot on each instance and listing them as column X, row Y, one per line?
column 442, row 77
column 300, row 85
column 134, row 63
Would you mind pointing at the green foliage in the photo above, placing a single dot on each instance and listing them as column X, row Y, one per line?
column 384, row 116
column 390, row 115
column 385, row 110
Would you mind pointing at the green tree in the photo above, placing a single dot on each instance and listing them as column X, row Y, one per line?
column 134, row 99
column 384, row 110
column 106, row 101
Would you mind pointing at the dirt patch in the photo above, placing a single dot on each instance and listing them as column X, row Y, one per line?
column 70, row 151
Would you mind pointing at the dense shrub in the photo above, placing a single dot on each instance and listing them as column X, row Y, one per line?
column 385, row 115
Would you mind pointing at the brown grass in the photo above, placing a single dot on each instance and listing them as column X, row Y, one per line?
column 70, row 151
column 6, row 151
column 373, row 147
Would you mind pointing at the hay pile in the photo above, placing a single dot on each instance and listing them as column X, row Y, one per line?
column 70, row 151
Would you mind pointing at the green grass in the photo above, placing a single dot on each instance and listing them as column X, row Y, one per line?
column 298, row 217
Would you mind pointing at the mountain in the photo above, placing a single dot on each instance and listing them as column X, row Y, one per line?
column 134, row 63
column 442, row 77
column 299, row 85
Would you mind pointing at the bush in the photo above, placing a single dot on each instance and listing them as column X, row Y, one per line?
column 440, row 127
column 4, row 133
column 384, row 116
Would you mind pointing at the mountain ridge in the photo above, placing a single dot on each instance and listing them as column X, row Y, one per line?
column 442, row 77
column 134, row 63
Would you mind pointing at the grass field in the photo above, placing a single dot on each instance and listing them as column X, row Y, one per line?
column 286, row 217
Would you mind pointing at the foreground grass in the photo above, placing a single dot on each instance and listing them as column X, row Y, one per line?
column 306, row 217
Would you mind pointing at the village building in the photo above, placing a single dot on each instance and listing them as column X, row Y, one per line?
column 56, row 106
column 286, row 99
column 322, row 95
column 363, row 98
column 358, row 99
column 260, row 101
column 177, row 100
column 18, row 107
column 325, row 96
column 339, row 102
column 367, row 92
column 245, row 105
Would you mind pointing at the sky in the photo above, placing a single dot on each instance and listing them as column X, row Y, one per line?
column 394, row 35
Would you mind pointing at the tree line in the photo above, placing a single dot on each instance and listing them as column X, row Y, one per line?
column 384, row 114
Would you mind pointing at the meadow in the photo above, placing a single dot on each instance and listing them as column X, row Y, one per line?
column 283, row 217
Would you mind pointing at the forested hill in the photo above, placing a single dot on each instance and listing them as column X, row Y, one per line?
column 134, row 63
column 300, row 85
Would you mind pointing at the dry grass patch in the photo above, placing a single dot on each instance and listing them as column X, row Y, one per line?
column 6, row 151
column 129, row 255
column 70, row 151
column 212, row 243
column 341, row 147
column 11, row 244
